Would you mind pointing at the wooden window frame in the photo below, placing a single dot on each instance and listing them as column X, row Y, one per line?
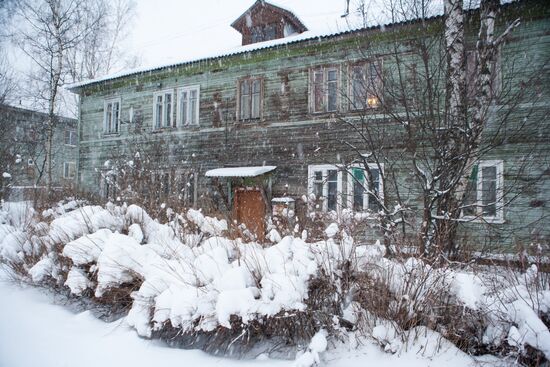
column 479, row 216
column 365, row 65
column 108, row 125
column 325, row 69
column 163, row 123
column 366, row 198
column 66, row 170
column 324, row 168
column 179, row 118
column 250, row 80
column 71, row 134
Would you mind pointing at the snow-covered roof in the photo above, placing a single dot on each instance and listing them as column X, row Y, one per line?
column 252, row 171
column 302, row 37
column 282, row 200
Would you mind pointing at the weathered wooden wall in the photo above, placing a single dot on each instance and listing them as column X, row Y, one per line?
column 290, row 137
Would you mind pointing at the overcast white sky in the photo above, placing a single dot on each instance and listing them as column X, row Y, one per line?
column 170, row 30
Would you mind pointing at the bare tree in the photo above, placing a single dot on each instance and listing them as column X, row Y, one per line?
column 435, row 118
column 68, row 40
column 100, row 51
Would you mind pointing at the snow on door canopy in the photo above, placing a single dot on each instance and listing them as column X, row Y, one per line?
column 252, row 171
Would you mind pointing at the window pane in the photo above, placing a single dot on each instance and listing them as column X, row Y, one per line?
column 256, row 99
column 470, row 198
column 374, row 85
column 158, row 114
column 116, row 113
column 193, row 111
column 332, row 89
column 332, row 189
column 358, row 188
column 168, row 109
column 270, row 32
column 318, row 184
column 373, row 202
column 108, row 117
column 489, row 190
column 318, row 95
column 183, row 108
column 245, row 100
column 358, row 87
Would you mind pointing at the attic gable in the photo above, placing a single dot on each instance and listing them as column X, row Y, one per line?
column 264, row 21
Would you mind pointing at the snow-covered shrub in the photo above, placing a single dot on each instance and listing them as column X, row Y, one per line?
column 186, row 279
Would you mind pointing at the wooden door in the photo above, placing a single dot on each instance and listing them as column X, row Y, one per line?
column 249, row 208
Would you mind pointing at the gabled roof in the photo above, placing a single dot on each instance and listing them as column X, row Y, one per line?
column 297, row 23
column 307, row 36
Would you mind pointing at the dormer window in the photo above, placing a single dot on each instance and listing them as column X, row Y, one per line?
column 264, row 33
column 264, row 22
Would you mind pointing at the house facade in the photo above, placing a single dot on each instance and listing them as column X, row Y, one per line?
column 284, row 119
column 24, row 152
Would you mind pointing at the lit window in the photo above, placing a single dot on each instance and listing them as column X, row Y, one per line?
column 366, row 85
column 484, row 192
column 111, row 118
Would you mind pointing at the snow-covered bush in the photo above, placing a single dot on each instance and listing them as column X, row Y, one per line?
column 187, row 279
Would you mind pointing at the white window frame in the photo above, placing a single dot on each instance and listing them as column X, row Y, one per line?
column 71, row 134
column 324, row 168
column 351, row 180
column 325, row 70
column 67, row 168
column 108, row 125
column 163, row 123
column 187, row 90
column 479, row 216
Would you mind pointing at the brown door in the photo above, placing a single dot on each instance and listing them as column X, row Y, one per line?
column 249, row 208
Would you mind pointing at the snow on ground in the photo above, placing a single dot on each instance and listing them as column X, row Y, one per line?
column 35, row 332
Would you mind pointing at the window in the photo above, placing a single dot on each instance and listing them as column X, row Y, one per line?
column 111, row 119
column 263, row 33
column 188, row 112
column 325, row 183
column 70, row 137
column 188, row 184
column 163, row 113
column 250, row 99
column 324, row 90
column 365, row 85
column 484, row 192
column 68, row 170
column 360, row 197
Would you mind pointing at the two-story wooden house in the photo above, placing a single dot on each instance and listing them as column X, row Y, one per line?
column 285, row 117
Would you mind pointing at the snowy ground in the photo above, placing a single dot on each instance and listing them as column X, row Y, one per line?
column 35, row 332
